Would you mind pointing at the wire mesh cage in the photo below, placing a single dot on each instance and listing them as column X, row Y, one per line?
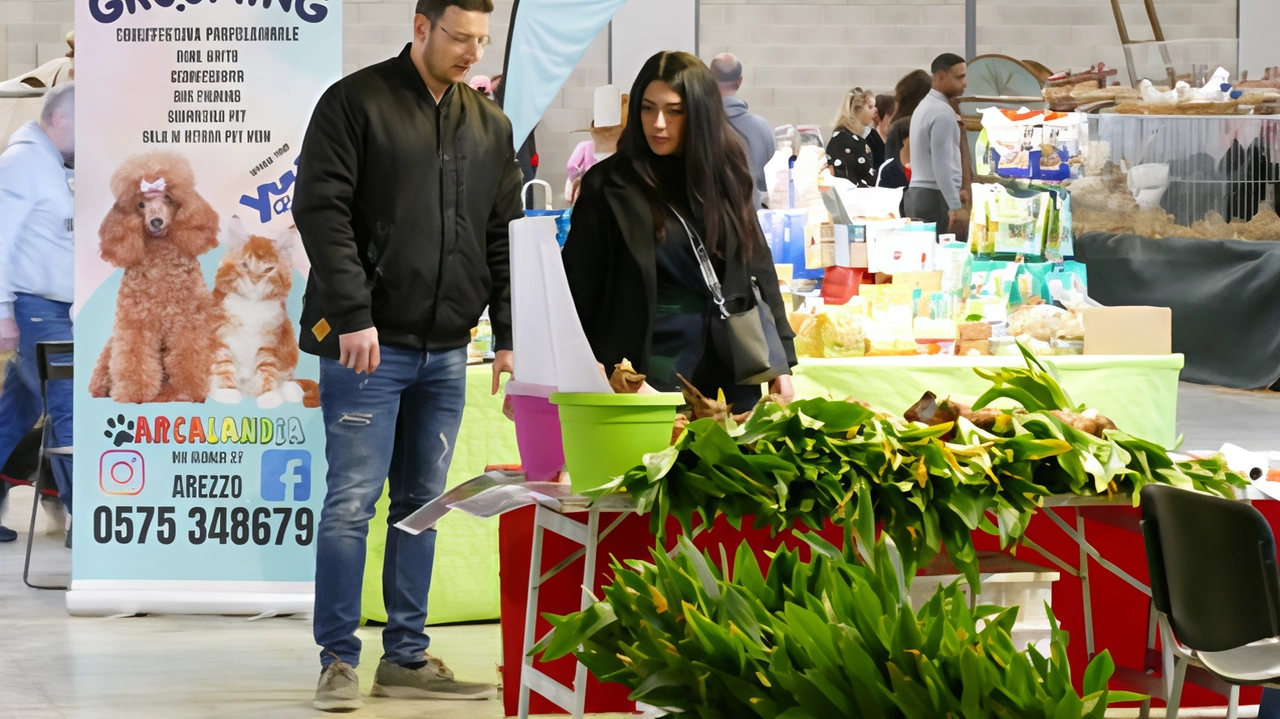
column 1213, row 177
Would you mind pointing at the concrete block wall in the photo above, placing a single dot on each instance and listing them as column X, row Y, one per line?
column 800, row 57
column 33, row 32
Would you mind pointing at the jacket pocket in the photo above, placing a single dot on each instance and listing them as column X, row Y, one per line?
column 377, row 252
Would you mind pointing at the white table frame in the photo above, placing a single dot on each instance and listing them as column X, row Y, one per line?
column 572, row 699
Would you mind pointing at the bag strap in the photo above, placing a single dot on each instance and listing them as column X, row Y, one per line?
column 704, row 262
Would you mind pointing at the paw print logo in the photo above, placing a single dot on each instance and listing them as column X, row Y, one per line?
column 119, row 431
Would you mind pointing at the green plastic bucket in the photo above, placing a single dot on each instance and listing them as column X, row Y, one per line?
column 607, row 434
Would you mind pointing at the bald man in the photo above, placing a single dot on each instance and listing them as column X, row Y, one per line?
column 757, row 136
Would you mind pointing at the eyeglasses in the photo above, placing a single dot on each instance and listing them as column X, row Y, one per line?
column 480, row 43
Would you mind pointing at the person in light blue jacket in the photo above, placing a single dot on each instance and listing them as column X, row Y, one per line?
column 37, row 267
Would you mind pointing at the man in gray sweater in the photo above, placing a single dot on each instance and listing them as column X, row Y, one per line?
column 936, row 175
column 757, row 136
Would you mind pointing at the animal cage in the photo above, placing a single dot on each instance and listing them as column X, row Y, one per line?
column 1213, row 177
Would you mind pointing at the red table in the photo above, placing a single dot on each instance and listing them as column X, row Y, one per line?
column 1121, row 628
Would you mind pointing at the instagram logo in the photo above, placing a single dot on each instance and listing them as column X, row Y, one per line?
column 121, row 471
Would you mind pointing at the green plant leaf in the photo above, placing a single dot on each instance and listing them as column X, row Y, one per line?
column 571, row 631
column 663, row 678
column 972, row 684
column 865, row 521
column 1098, row 673
column 700, row 566
column 1028, row 401
column 796, row 713
column 1070, row 707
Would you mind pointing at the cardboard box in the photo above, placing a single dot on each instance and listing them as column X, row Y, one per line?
column 926, row 282
column 899, row 251
column 858, row 254
column 1128, row 331
column 850, row 252
column 820, row 249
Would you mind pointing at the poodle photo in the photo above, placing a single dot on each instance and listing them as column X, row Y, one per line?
column 161, row 349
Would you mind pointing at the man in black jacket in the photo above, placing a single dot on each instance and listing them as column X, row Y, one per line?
column 406, row 184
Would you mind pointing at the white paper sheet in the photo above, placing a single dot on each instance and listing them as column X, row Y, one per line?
column 488, row 495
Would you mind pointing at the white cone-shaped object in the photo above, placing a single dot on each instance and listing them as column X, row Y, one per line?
column 550, row 347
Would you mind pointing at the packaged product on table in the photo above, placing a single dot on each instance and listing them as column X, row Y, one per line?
column 808, row 329
column 890, row 333
column 1035, row 326
column 1021, row 224
column 842, row 332
column 934, row 325
column 974, row 339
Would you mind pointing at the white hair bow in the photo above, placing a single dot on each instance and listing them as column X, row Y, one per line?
column 150, row 187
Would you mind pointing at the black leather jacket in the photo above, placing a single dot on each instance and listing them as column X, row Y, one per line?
column 403, row 206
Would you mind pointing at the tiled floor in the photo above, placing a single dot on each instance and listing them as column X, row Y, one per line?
column 1210, row 416
column 54, row 666
column 172, row 667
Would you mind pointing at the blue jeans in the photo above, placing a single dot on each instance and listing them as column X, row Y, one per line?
column 398, row 424
column 1270, row 707
column 39, row 320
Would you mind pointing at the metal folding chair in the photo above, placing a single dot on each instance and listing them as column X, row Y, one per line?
column 45, row 352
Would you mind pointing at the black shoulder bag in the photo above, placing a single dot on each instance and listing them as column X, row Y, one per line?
column 747, row 340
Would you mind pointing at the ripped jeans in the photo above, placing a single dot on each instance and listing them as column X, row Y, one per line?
column 398, row 424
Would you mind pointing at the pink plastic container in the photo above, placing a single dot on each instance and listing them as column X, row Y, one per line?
column 537, row 432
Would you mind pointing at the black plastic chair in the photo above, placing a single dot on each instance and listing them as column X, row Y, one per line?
column 45, row 352
column 1216, row 587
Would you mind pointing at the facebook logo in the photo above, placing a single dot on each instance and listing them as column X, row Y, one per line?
column 285, row 468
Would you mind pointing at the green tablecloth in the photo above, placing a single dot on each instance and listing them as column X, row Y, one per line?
column 464, row 581
column 1139, row 393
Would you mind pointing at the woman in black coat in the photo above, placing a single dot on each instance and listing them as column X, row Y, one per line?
column 632, row 266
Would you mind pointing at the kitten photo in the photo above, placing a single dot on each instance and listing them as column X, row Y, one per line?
column 256, row 350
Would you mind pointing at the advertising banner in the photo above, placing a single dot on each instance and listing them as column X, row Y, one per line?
column 199, row 462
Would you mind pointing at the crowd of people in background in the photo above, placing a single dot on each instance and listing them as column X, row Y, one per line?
column 869, row 145
column 870, row 142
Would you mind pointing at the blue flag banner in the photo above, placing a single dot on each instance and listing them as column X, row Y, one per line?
column 548, row 38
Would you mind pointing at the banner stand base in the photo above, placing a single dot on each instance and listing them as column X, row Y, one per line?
column 104, row 598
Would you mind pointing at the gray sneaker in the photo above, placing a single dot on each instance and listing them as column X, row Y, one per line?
column 434, row 681
column 339, row 689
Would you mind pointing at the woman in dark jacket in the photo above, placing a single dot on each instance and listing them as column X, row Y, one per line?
column 910, row 91
column 632, row 267
column 896, row 170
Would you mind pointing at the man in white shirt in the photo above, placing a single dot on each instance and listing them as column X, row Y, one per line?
column 37, row 267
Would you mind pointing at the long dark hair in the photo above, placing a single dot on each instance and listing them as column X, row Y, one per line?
column 720, row 184
column 911, row 90
column 886, row 105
